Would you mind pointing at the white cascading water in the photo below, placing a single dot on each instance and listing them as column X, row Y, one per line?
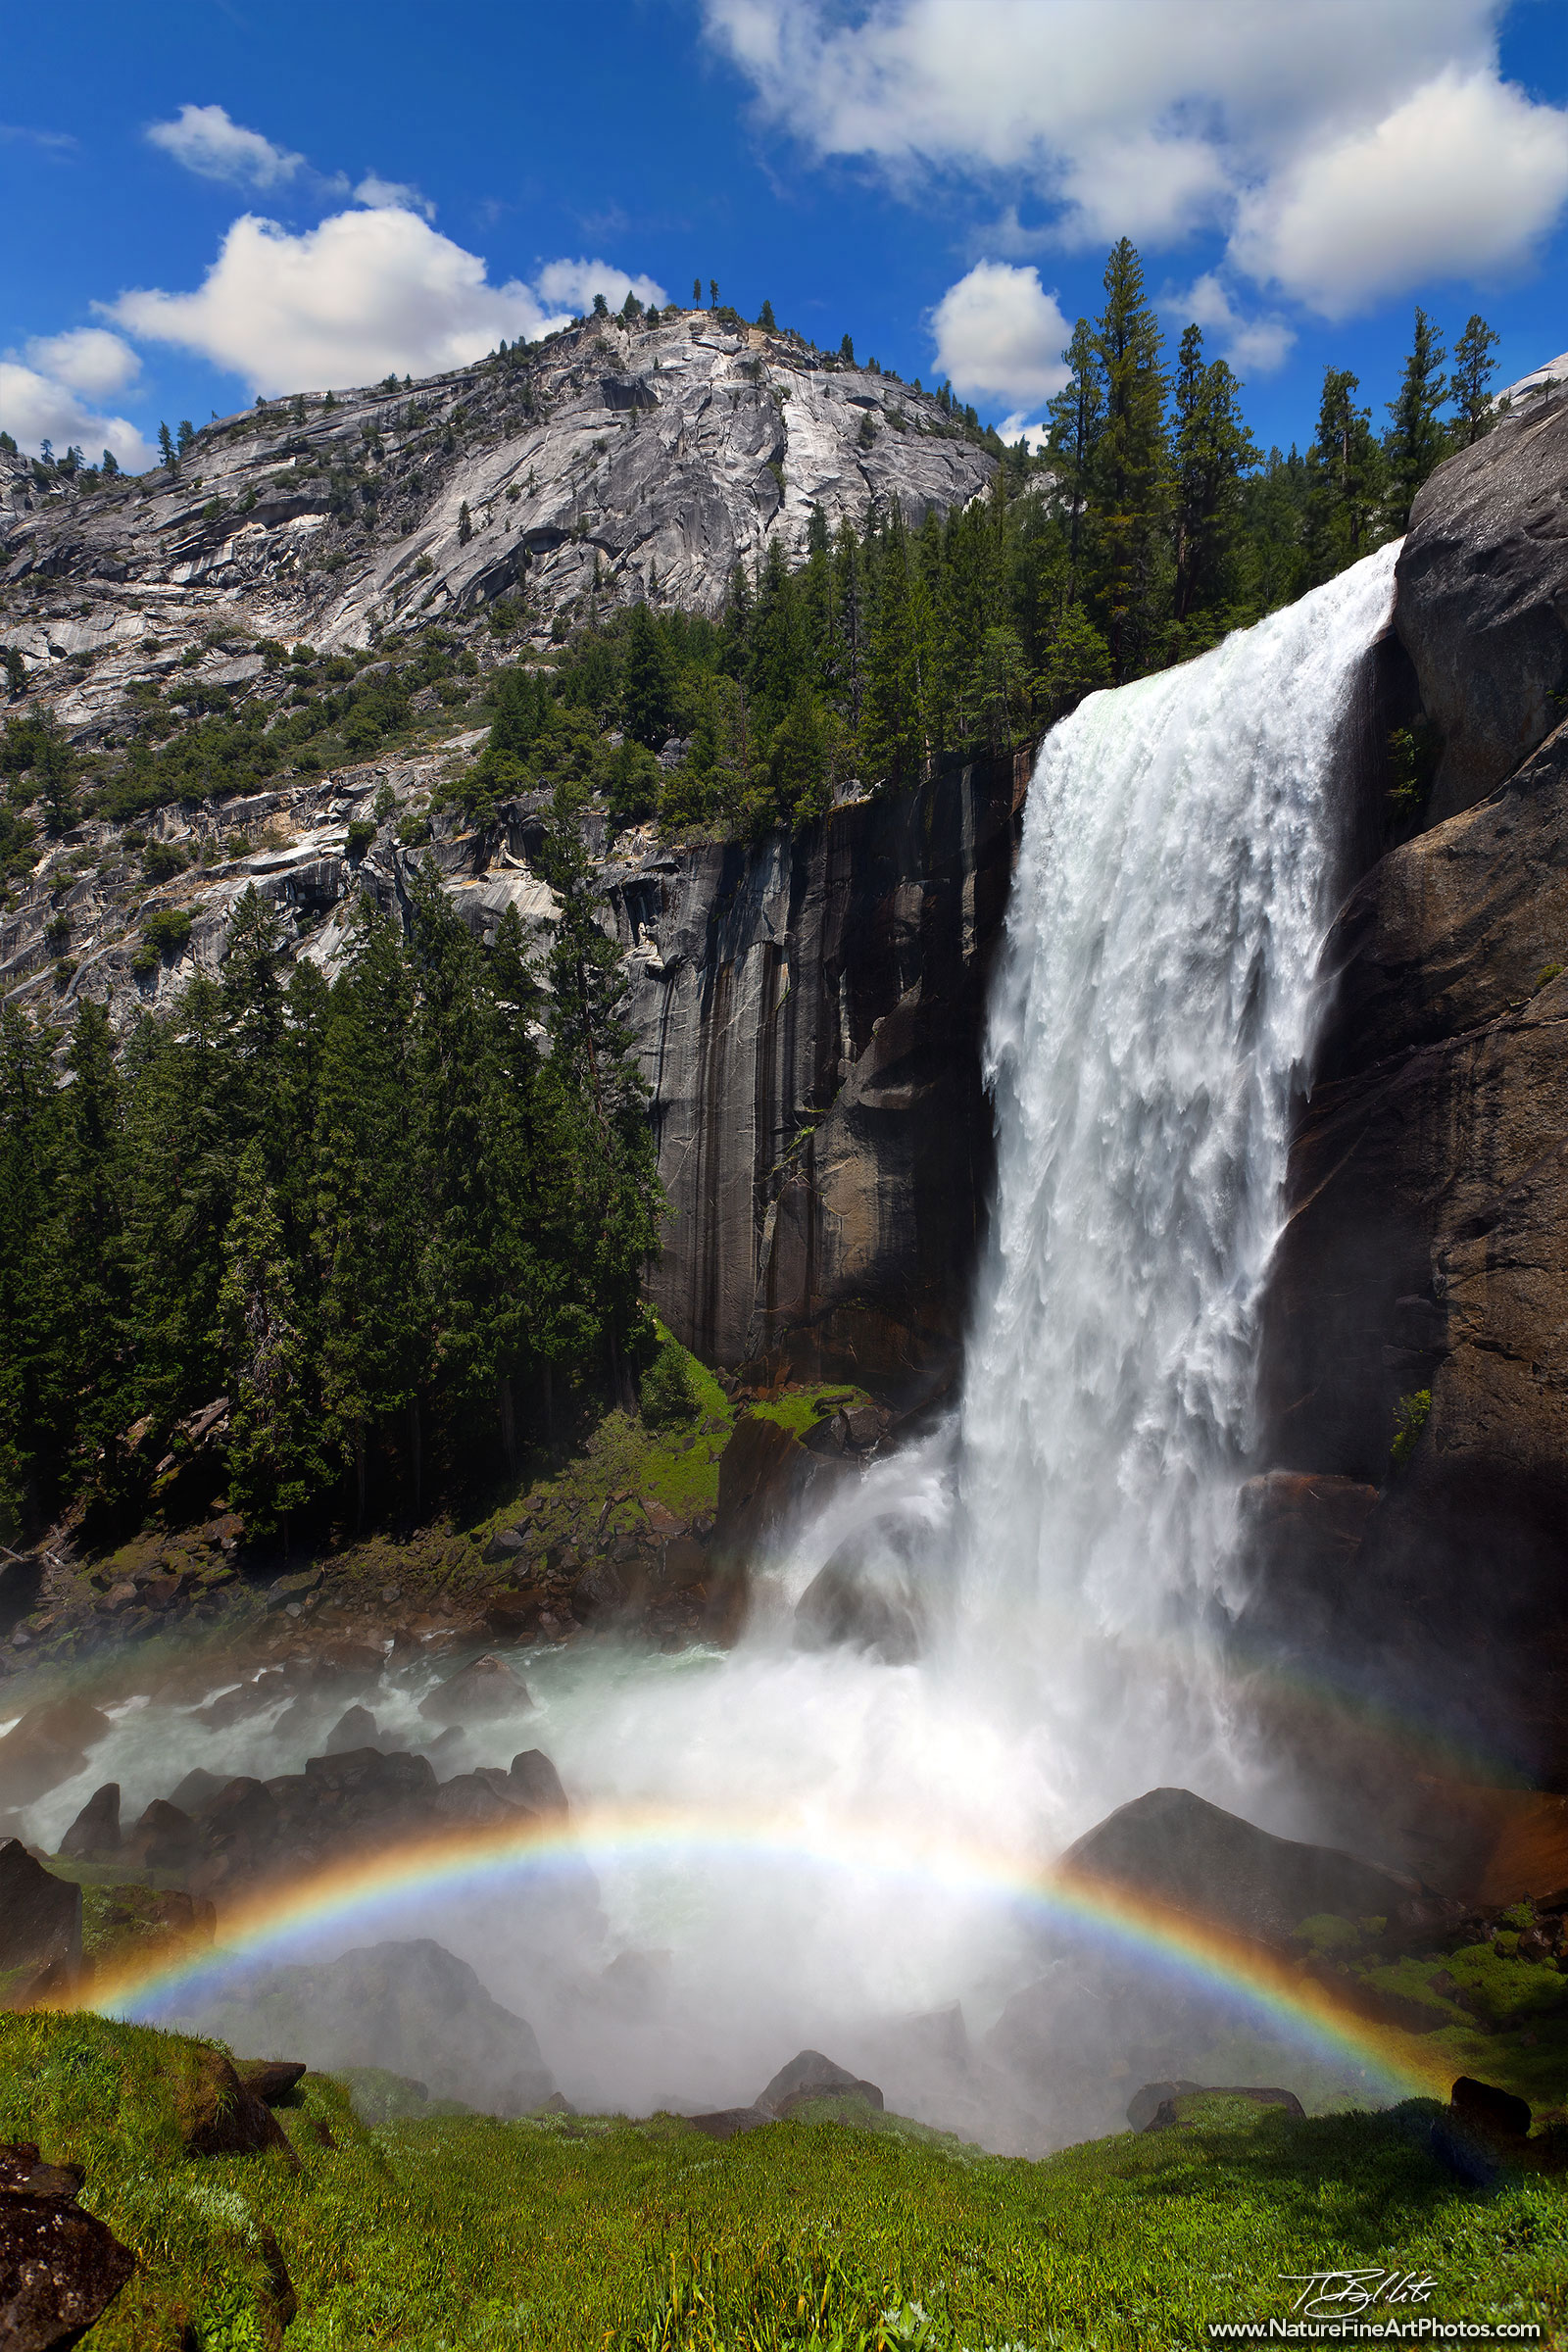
column 1066, row 1539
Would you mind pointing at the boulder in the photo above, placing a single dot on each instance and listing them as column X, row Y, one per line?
column 60, row 2268
column 478, row 1798
column 354, row 1728
column 764, row 1473
column 165, row 1837
column 195, row 1789
column 1495, row 2110
column 484, row 1687
column 21, row 1584
column 728, row 2122
column 94, row 1834
column 601, row 1591
column 504, row 1544
column 1183, row 2109
column 809, row 2076
column 537, row 1783
column 270, row 2079
column 1146, row 2104
column 866, row 1597
column 49, row 1744
column 41, row 1927
column 219, row 2117
column 1192, row 1856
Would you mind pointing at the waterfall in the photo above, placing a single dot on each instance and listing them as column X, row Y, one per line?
column 1151, row 1021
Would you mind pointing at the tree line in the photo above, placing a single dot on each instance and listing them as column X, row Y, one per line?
column 1150, row 527
column 398, row 1219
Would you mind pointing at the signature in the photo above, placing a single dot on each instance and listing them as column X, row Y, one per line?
column 1328, row 2294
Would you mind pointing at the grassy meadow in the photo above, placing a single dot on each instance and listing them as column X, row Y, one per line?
column 836, row 2230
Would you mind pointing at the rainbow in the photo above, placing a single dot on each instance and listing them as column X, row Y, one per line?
column 1204, row 1957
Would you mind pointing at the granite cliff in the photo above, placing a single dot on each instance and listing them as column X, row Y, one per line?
column 615, row 459
column 1422, row 1280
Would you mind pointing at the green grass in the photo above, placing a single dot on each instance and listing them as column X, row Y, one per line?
column 562, row 2234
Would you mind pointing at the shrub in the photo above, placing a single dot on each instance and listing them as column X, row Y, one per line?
column 162, row 861
column 362, row 832
column 166, row 930
column 1545, row 977
column 1410, row 1417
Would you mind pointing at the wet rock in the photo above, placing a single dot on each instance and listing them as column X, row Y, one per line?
column 809, row 2076
column 537, row 1783
column 1183, row 1852
column 219, row 2117
column 600, row 1591
column 513, row 1613
column 354, row 1728
column 60, row 2268
column 41, row 1927
column 862, row 1426
column 866, row 1597
column 1481, row 2133
column 728, row 2122
column 270, row 2079
column 484, row 1687
column 94, row 1834
column 477, row 1797
column 686, row 1564
column 196, row 1787
column 21, row 1582
column 48, row 1745
column 165, row 1839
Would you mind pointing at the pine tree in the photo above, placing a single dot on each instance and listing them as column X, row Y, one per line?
column 1346, row 478
column 766, row 320
column 1415, row 441
column 165, row 445
column 187, row 434
column 648, row 682
column 1473, row 369
column 1211, row 451
column 1128, row 469
column 275, row 1457
column 1077, row 418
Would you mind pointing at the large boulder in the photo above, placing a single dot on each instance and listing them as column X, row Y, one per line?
column 41, row 1927
column 809, row 2076
column 1188, row 1855
column 412, row 2008
column 60, row 2268
column 486, row 1686
column 866, row 1597
column 94, row 1834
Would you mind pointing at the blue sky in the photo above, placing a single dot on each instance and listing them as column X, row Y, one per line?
column 225, row 197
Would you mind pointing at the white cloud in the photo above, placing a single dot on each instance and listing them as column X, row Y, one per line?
column 1257, row 345
column 1000, row 336
column 1463, row 178
column 38, row 406
column 1352, row 148
column 88, row 359
column 1016, row 428
column 208, row 142
column 400, row 194
column 364, row 294
column 573, row 285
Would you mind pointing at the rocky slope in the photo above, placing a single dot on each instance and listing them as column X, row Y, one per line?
column 632, row 460
column 1424, row 1271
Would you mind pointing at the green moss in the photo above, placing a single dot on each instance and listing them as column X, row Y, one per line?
column 1410, row 1417
column 804, row 1409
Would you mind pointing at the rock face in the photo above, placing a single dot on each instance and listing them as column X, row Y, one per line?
column 1424, row 1267
column 654, row 459
column 411, row 2008
column 808, row 1015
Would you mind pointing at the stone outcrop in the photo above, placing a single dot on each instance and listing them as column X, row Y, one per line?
column 40, row 1927
column 1422, row 1278
column 809, row 1014
column 60, row 2268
